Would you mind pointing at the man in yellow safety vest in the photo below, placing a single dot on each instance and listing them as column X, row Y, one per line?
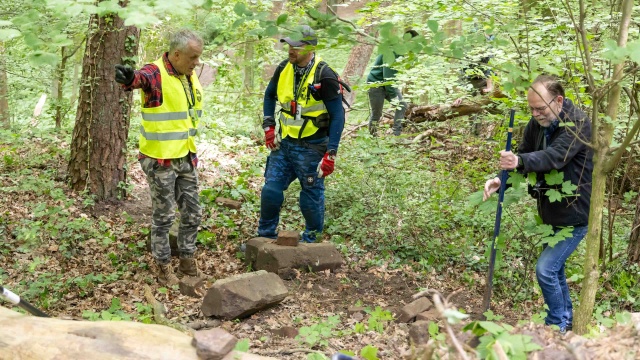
column 304, row 138
column 171, row 111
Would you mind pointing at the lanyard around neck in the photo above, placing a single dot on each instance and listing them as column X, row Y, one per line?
column 191, row 100
column 296, row 92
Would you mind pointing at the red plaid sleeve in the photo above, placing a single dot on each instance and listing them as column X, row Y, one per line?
column 149, row 80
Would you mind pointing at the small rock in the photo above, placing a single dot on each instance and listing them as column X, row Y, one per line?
column 429, row 315
column 419, row 332
column 288, row 238
column 228, row 203
column 189, row 286
column 356, row 309
column 285, row 332
column 213, row 344
column 412, row 309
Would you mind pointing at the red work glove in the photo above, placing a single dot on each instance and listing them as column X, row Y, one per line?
column 271, row 139
column 326, row 165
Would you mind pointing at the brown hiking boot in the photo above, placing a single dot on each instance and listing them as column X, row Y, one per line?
column 166, row 275
column 188, row 267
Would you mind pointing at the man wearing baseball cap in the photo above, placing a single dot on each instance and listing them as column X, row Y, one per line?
column 304, row 136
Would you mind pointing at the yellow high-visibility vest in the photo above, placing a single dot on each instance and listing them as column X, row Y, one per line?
column 311, row 108
column 168, row 131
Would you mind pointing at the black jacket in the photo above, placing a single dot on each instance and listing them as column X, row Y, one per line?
column 565, row 153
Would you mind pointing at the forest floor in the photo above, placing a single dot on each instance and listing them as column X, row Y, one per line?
column 83, row 281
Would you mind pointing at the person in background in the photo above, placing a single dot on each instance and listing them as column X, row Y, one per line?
column 380, row 74
column 547, row 146
column 478, row 75
column 171, row 111
column 305, row 136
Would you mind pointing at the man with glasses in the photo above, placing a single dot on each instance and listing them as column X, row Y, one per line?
column 304, row 139
column 547, row 146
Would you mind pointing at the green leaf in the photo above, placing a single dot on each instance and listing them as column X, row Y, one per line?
column 43, row 58
column 369, row 353
column 8, row 34
column 242, row 345
column 433, row 329
column 5, row 23
column 433, row 25
column 614, row 52
column 633, row 48
column 474, row 327
column 140, row 19
column 554, row 177
column 240, row 8
column 553, row 195
column 271, row 31
column 492, row 327
column 282, row 19
column 568, row 188
column 454, row 316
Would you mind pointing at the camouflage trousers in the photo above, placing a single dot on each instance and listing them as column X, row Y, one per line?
column 171, row 185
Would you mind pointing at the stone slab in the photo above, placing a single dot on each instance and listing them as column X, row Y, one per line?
column 263, row 254
column 288, row 238
column 228, row 203
column 241, row 295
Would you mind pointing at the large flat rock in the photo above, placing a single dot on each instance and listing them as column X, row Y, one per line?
column 27, row 337
column 244, row 294
column 264, row 254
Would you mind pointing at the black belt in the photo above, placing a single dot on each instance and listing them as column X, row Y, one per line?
column 322, row 147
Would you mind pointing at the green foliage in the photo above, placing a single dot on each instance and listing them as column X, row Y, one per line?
column 242, row 345
column 434, row 332
column 516, row 346
column 319, row 333
column 378, row 317
column 113, row 313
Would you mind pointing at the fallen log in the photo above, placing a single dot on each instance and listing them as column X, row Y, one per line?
column 443, row 112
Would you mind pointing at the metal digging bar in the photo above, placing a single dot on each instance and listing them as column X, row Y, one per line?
column 15, row 299
column 504, row 175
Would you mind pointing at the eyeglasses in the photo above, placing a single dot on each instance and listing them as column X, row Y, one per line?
column 541, row 108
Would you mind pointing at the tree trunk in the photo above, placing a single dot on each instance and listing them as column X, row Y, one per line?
column 4, row 85
column 418, row 114
column 634, row 239
column 356, row 65
column 325, row 5
column 59, row 87
column 248, row 71
column 602, row 136
column 97, row 162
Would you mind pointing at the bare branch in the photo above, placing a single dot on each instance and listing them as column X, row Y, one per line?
column 628, row 140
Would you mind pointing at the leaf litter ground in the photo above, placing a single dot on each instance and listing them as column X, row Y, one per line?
column 94, row 270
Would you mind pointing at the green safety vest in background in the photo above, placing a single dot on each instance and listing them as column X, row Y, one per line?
column 311, row 108
column 168, row 131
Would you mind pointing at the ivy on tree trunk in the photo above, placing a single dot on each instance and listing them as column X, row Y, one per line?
column 98, row 150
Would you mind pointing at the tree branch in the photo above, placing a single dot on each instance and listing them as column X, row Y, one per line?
column 628, row 140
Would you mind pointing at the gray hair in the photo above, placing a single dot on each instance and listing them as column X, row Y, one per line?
column 181, row 38
column 551, row 83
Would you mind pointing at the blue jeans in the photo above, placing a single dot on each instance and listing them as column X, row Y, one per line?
column 553, row 281
column 293, row 161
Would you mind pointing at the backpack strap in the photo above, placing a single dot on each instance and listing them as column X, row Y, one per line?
column 317, row 79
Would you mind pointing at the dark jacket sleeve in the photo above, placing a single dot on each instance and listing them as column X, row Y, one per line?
column 271, row 96
column 558, row 154
column 336, row 112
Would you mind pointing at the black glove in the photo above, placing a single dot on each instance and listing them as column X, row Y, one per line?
column 124, row 74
